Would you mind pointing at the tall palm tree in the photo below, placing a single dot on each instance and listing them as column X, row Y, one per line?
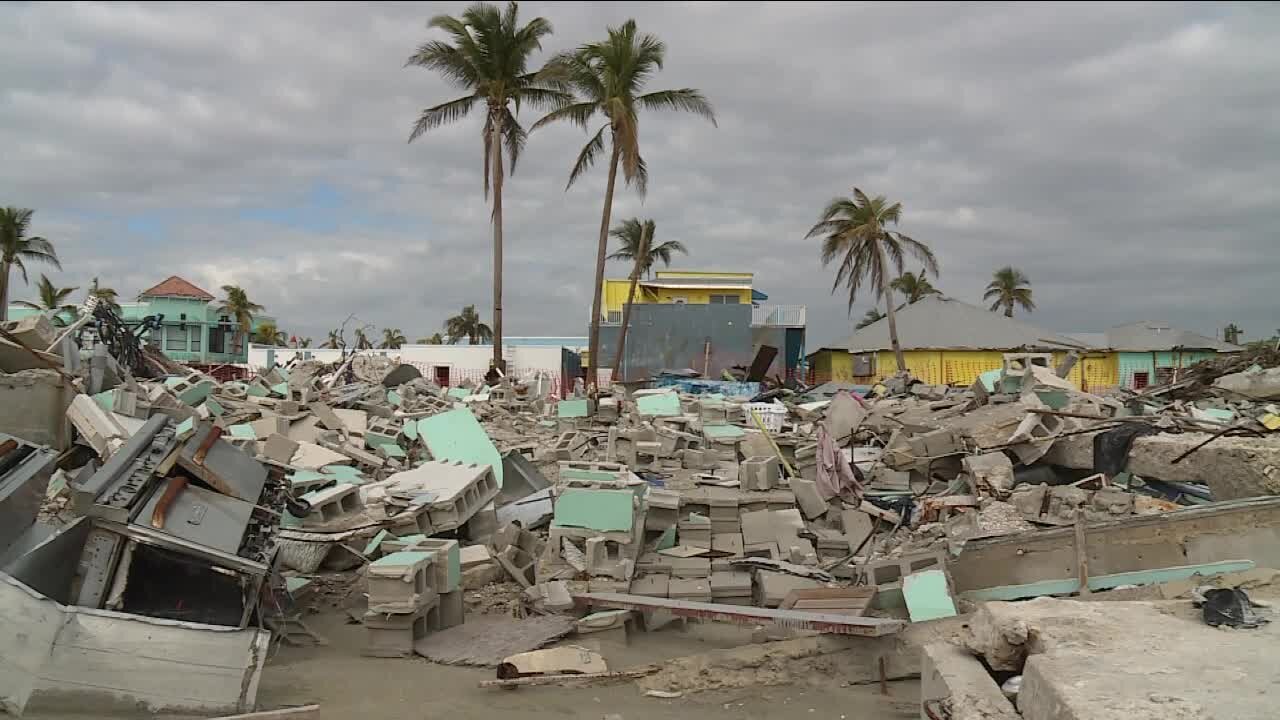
column 467, row 324
column 335, row 339
column 1009, row 287
column 392, row 338
column 105, row 295
column 17, row 249
column 238, row 305
column 635, row 237
column 268, row 334
column 872, row 316
column 435, row 339
column 855, row 230
column 52, row 298
column 913, row 286
column 362, row 341
column 304, row 343
column 608, row 78
column 488, row 58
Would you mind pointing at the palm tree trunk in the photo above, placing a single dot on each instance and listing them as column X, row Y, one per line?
column 600, row 254
column 4, row 291
column 1008, row 309
column 497, row 246
column 888, row 306
column 626, row 319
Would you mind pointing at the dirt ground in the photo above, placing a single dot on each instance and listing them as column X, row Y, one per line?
column 347, row 685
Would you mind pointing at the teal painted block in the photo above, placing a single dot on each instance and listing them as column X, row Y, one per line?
column 256, row 390
column 294, row 585
column 410, row 429
column 243, row 430
column 106, row 400
column 373, row 440
column 1055, row 398
column 659, row 405
column 602, row 510
column 185, row 428
column 397, row 559
column 394, row 398
column 391, row 450
column 723, row 432
column 581, row 474
column 214, row 407
column 372, row 546
column 457, row 435
column 666, row 540
column 459, row 393
column 927, row 596
column 571, row 408
column 547, row 423
column 989, row 379
column 281, row 389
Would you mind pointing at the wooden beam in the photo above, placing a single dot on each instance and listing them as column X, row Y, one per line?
column 302, row 711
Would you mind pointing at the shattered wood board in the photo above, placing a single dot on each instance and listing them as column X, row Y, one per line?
column 602, row 510
column 457, row 435
column 487, row 640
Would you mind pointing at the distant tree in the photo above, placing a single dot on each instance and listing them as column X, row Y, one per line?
column 362, row 341
column 304, row 343
column 913, row 286
column 268, row 334
column 392, row 338
column 335, row 340
column 52, row 298
column 609, row 77
column 435, row 339
column 635, row 238
column 467, row 324
column 488, row 60
column 855, row 230
column 17, row 249
column 238, row 305
column 105, row 295
column 872, row 316
column 1231, row 333
column 1009, row 287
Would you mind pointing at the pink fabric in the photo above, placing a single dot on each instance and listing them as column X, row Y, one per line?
column 835, row 476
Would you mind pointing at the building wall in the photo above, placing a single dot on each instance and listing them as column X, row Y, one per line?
column 463, row 363
column 615, row 290
column 676, row 336
column 1133, row 363
column 956, row 367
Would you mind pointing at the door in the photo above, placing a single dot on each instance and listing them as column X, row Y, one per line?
column 442, row 375
column 1140, row 380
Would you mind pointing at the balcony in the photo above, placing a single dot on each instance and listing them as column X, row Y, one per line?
column 778, row 316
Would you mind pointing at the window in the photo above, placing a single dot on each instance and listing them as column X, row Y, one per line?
column 615, row 316
column 175, row 338
column 724, row 299
column 195, row 332
column 217, row 339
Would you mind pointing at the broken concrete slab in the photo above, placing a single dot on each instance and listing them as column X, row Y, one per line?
column 956, row 680
column 457, row 435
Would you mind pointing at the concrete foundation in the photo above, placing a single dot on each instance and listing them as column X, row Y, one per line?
column 956, row 680
column 1233, row 468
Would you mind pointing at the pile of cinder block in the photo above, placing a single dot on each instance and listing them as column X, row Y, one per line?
column 412, row 591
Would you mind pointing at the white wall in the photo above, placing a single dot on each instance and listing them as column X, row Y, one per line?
column 465, row 362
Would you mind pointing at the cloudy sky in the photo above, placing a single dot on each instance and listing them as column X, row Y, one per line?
column 1126, row 157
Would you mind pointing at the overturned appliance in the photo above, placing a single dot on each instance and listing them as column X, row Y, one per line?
column 179, row 529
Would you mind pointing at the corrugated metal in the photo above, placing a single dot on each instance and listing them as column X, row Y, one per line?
column 676, row 336
column 1150, row 335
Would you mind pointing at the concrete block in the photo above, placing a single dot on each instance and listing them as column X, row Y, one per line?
column 393, row 635
column 460, row 490
column 759, row 472
column 764, row 550
column 34, row 331
column 696, row 589
column 482, row 525
column 97, row 426
column 951, row 677
column 928, row 596
column 807, row 498
column 452, row 609
column 652, row 585
column 333, row 502
column 663, row 509
column 891, row 570
column 570, row 445
column 727, row 542
column 757, row 527
column 691, row 567
column 595, row 510
column 731, row 584
column 448, row 562
column 771, row 588
column 402, row 582
column 280, row 448
column 605, row 558
column 856, row 525
column 35, row 407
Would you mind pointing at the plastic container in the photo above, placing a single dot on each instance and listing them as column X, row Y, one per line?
column 771, row 415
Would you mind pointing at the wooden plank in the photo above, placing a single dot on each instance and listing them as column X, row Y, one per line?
column 800, row 620
column 1082, row 555
column 1106, row 582
column 570, row 677
column 302, row 711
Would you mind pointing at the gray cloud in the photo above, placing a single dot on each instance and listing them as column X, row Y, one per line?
column 1124, row 156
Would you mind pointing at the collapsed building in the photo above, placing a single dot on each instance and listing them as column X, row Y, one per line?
column 150, row 501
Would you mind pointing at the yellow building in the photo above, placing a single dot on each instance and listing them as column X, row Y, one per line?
column 949, row 342
column 693, row 287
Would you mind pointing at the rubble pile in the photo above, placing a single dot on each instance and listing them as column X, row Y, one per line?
column 237, row 507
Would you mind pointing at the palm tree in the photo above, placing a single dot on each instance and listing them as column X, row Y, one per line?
column 52, row 298
column 636, row 244
column 856, row 229
column 1009, row 287
column 392, row 338
column 872, row 316
column 914, row 286
column 362, row 341
column 268, row 334
column 435, row 339
column 16, row 249
column 1231, row 333
column 489, row 60
column 467, row 324
column 608, row 77
column 334, row 341
column 304, row 343
column 105, row 295
column 238, row 305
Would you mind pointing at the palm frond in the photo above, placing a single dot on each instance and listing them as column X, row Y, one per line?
column 684, row 99
column 578, row 113
column 442, row 114
column 514, row 138
column 587, row 156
